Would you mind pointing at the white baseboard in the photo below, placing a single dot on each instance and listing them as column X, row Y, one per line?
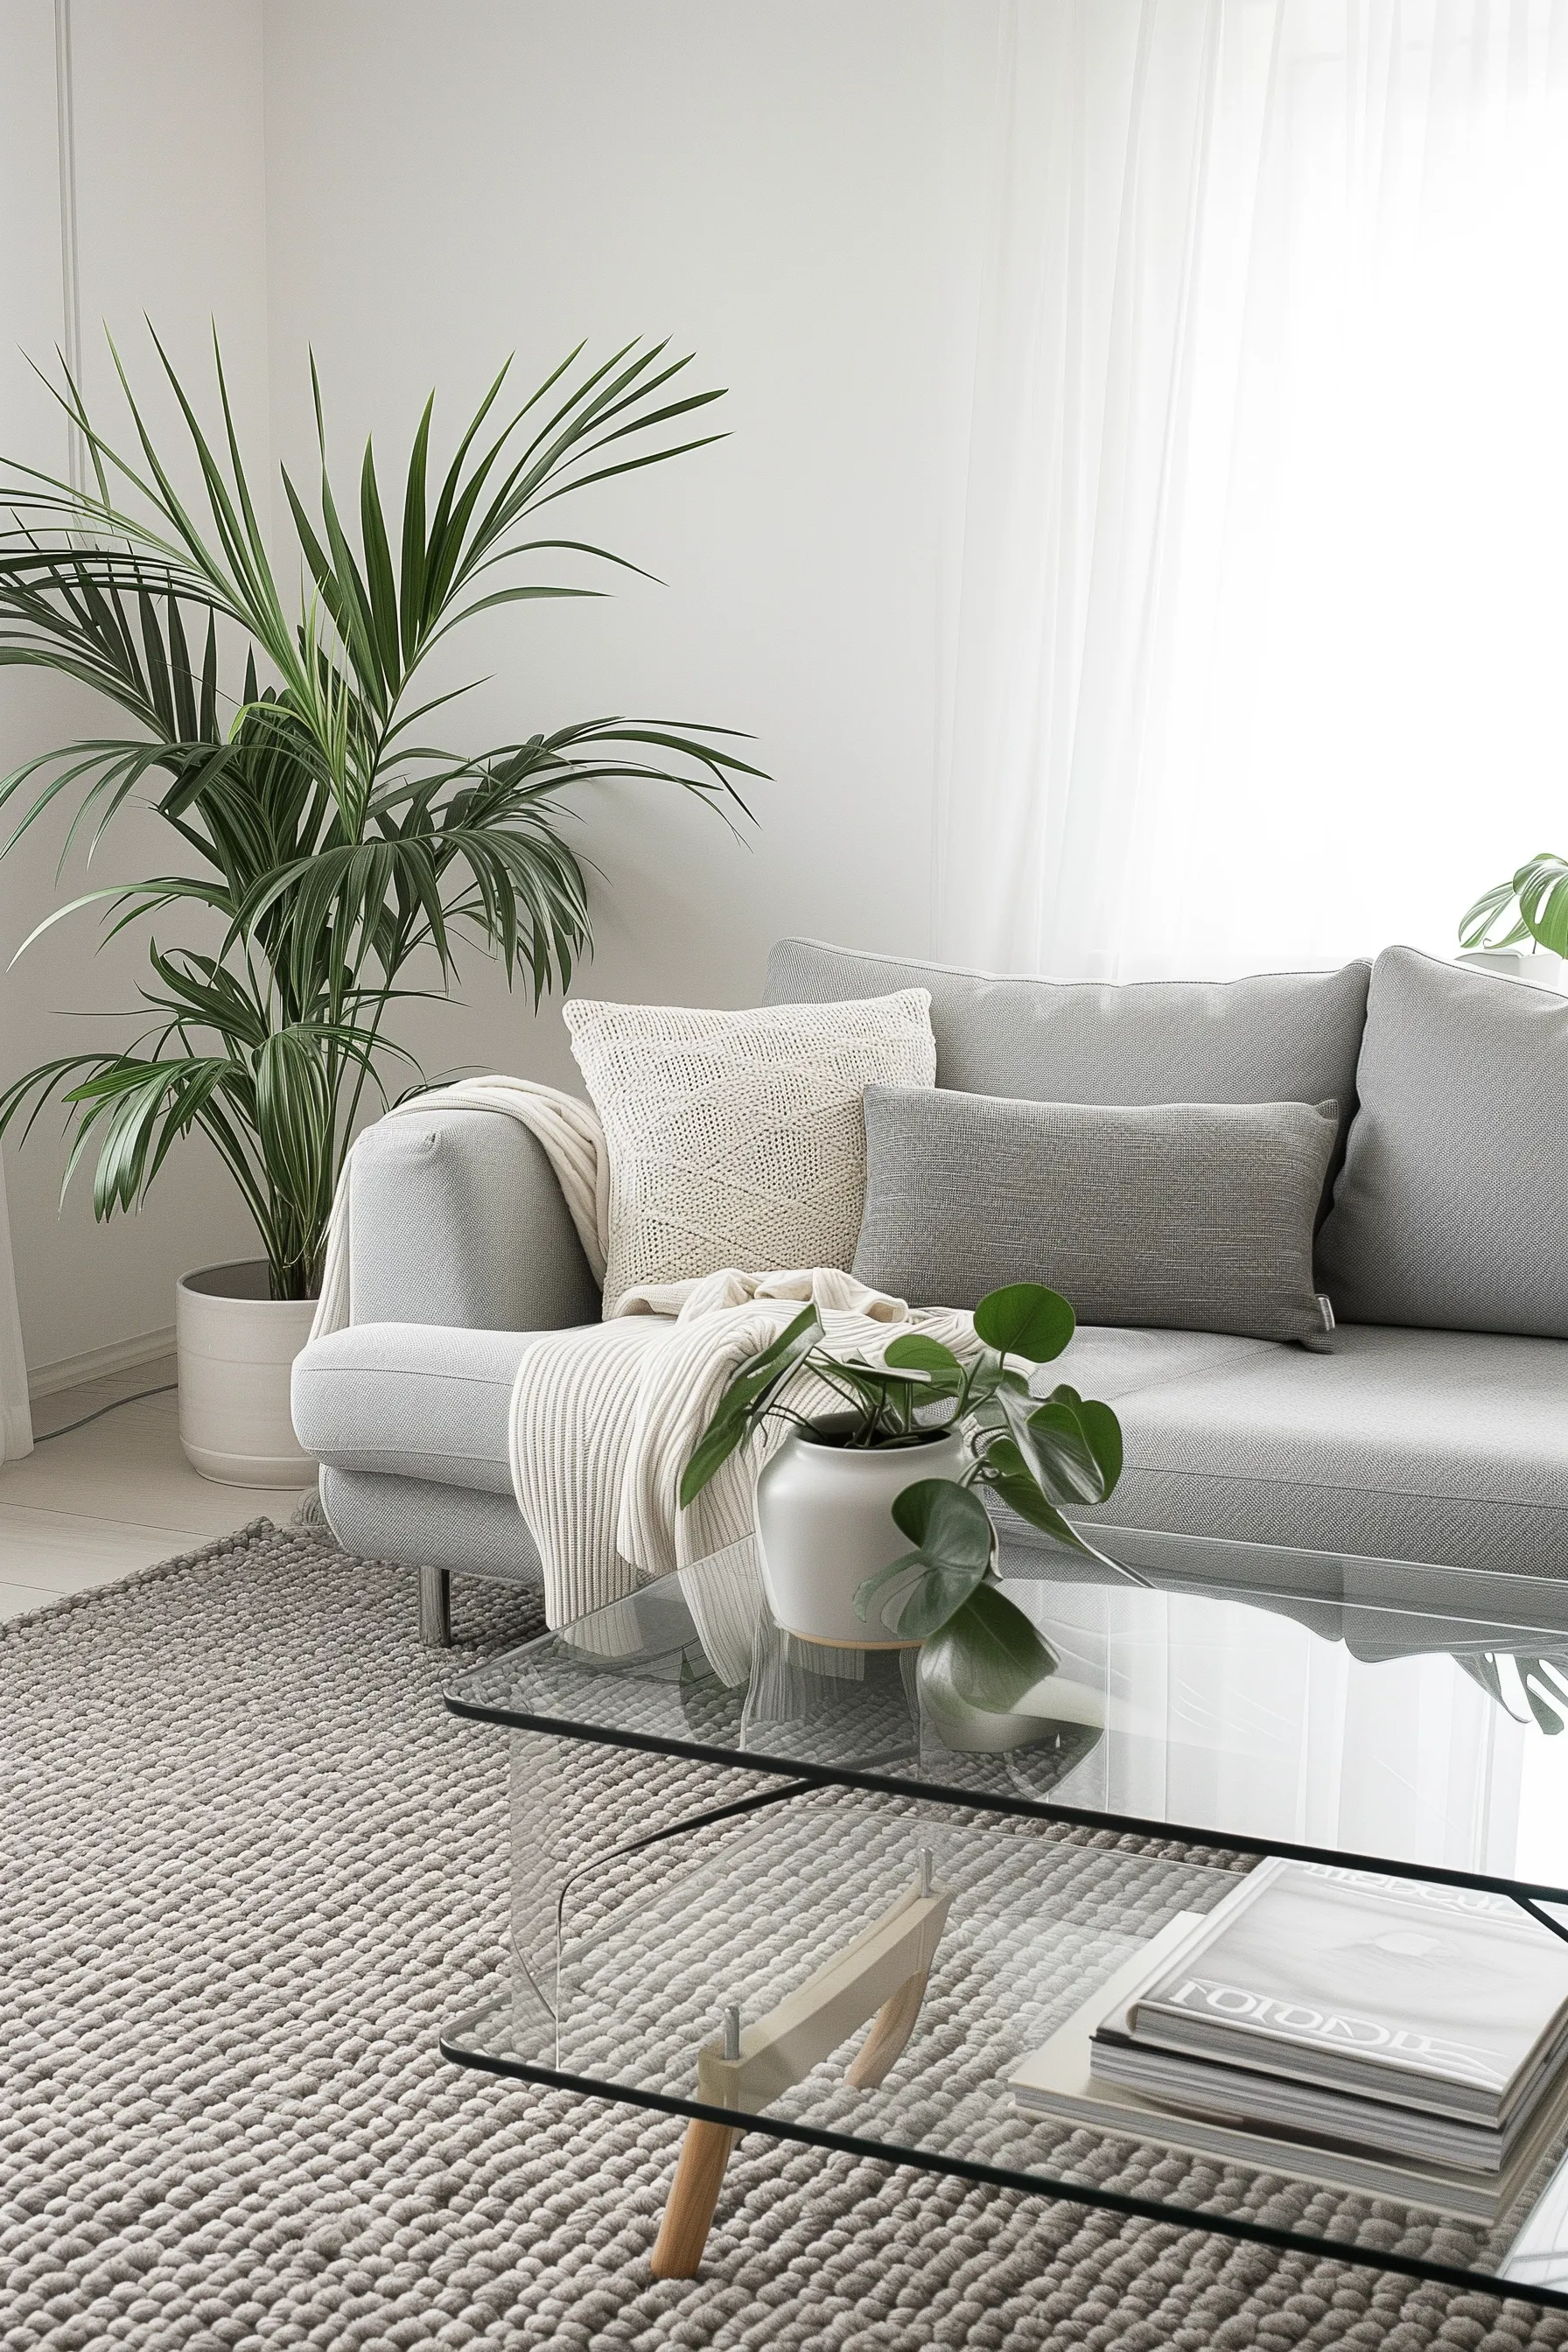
column 96, row 1364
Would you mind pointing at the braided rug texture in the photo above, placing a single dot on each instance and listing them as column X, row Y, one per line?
column 249, row 1867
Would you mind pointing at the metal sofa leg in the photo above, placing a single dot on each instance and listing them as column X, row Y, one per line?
column 436, row 1608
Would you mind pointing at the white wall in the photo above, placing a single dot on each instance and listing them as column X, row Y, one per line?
column 761, row 181
column 777, row 184
column 170, row 219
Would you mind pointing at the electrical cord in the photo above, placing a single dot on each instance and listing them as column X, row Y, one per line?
column 167, row 1388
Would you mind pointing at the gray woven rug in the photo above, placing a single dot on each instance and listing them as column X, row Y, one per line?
column 248, row 1866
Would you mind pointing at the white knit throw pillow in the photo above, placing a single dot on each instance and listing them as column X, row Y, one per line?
column 738, row 1139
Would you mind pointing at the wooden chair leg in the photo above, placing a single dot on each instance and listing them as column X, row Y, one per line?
column 880, row 1973
column 890, row 2030
column 693, row 2194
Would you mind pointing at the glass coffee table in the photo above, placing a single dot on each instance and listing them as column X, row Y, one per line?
column 755, row 1882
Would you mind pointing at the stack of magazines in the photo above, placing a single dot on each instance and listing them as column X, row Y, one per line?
column 1367, row 2032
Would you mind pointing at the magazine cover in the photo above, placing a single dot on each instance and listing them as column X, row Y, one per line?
column 1368, row 1981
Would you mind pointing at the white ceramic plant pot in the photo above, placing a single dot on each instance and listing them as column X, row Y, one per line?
column 825, row 1523
column 236, row 1348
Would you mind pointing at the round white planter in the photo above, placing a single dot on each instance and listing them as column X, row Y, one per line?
column 236, row 1347
column 825, row 1523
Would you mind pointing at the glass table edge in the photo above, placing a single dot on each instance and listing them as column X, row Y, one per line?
column 991, row 2175
column 832, row 1776
column 1511, row 1579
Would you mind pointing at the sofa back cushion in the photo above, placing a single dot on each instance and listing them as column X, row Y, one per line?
column 1451, row 1211
column 1291, row 1037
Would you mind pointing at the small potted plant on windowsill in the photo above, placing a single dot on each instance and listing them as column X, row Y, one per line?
column 1531, row 907
column 870, row 1526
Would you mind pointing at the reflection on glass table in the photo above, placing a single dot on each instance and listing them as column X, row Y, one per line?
column 798, row 1898
column 1352, row 1713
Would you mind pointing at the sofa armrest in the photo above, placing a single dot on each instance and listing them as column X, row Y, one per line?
column 456, row 1217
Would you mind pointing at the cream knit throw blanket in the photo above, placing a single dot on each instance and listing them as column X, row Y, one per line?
column 604, row 1417
column 605, row 1421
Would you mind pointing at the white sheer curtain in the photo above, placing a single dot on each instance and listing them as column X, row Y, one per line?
column 1262, row 589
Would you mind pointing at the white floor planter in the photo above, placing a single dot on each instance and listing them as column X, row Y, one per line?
column 236, row 1347
column 825, row 1523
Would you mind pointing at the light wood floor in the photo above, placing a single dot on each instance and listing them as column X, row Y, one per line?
column 85, row 1509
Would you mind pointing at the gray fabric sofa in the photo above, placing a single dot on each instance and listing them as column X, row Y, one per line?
column 1436, row 1429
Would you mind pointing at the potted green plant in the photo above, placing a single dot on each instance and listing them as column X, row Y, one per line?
column 1531, row 905
column 334, row 851
column 856, row 1549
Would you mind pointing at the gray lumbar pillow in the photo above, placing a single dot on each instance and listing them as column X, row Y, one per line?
column 1187, row 1216
column 1452, row 1210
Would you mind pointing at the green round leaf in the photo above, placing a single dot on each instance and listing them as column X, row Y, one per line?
column 988, row 1653
column 950, row 1523
column 1025, row 1319
column 1023, row 1495
column 900, row 1571
column 711, row 1455
column 1103, row 1432
column 914, row 1351
column 1064, row 1460
column 924, row 1596
column 1542, row 888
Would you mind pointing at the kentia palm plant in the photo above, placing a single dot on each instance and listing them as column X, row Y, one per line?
column 328, row 846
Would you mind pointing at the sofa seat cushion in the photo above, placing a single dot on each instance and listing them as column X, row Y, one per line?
column 412, row 1400
column 1448, row 1447
column 1112, row 1363
column 423, row 1401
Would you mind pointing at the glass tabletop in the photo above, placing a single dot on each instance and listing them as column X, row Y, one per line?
column 786, row 1819
column 1378, row 1712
